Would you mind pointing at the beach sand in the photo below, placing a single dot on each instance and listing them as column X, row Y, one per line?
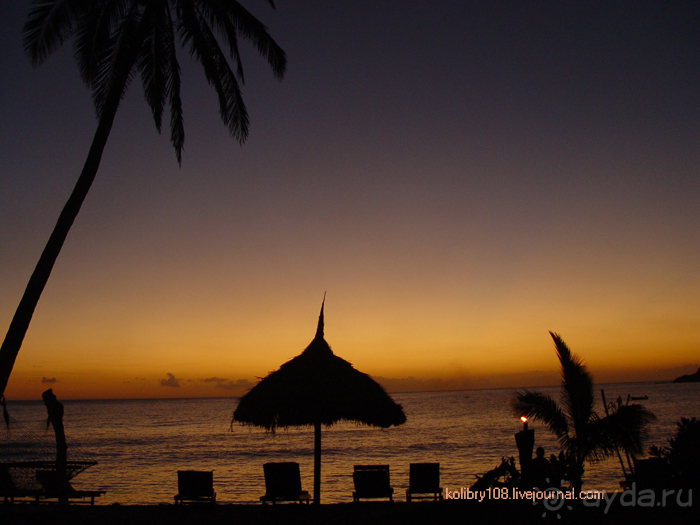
column 501, row 512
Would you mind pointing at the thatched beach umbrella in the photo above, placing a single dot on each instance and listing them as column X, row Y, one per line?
column 317, row 388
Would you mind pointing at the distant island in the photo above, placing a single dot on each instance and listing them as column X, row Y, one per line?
column 690, row 378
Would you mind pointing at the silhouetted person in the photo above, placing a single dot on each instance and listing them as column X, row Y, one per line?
column 540, row 470
column 557, row 469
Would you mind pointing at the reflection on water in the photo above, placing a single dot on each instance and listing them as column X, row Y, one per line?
column 140, row 444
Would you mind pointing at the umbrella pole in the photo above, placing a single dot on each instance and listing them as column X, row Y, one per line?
column 317, row 463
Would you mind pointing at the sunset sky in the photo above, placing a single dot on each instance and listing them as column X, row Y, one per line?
column 460, row 178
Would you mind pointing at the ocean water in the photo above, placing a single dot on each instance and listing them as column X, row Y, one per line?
column 141, row 444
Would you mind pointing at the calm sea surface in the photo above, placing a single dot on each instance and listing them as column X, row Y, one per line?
column 141, row 444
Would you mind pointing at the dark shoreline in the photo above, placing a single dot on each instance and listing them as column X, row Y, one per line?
column 501, row 512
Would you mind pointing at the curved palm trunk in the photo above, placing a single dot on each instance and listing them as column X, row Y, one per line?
column 42, row 271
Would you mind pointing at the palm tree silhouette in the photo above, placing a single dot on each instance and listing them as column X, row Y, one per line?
column 114, row 40
column 582, row 433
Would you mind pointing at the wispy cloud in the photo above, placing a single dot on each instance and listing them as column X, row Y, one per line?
column 241, row 384
column 214, row 380
column 227, row 384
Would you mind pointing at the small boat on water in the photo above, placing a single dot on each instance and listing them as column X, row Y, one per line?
column 639, row 398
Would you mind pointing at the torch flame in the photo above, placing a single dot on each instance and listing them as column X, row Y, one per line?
column 523, row 419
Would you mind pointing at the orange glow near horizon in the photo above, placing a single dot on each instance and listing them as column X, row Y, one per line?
column 107, row 361
column 124, row 341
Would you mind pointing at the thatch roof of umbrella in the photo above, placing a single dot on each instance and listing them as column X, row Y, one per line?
column 317, row 388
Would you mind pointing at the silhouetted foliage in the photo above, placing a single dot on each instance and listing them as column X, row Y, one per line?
column 582, row 433
column 682, row 456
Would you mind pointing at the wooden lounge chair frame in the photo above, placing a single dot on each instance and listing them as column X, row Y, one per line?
column 195, row 486
column 283, row 483
column 424, row 482
column 372, row 481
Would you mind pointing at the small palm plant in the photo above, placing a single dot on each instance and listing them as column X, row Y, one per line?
column 582, row 433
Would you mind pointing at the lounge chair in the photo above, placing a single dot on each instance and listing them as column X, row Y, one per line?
column 283, row 483
column 424, row 481
column 195, row 486
column 9, row 491
column 53, row 486
column 372, row 481
column 651, row 473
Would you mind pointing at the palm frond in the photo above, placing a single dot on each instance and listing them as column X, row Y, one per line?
column 541, row 407
column 49, row 24
column 155, row 57
column 255, row 31
column 177, row 125
column 93, row 35
column 205, row 48
column 627, row 427
column 594, row 443
column 577, row 386
column 218, row 17
column 116, row 70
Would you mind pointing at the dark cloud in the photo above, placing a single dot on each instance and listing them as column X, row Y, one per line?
column 214, row 380
column 226, row 385
column 49, row 380
column 245, row 384
column 172, row 381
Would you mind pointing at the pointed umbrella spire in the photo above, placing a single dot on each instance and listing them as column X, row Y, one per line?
column 319, row 330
